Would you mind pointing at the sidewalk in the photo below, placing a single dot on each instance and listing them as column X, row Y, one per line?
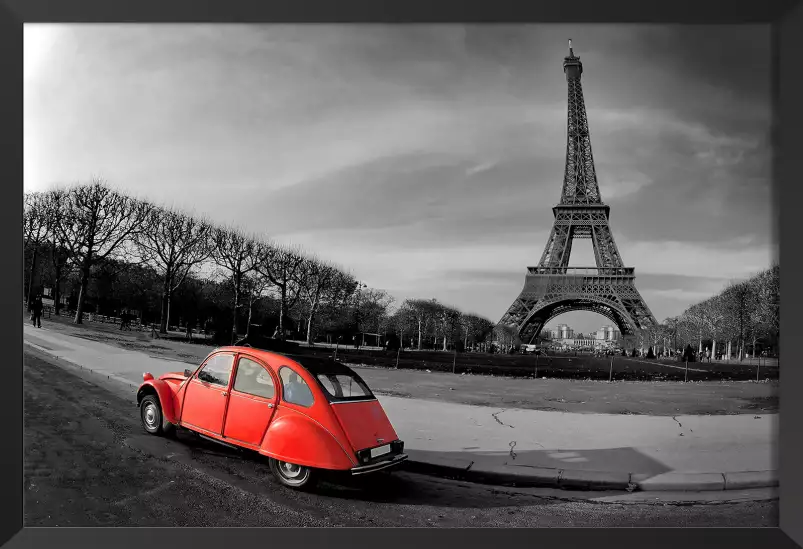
column 527, row 447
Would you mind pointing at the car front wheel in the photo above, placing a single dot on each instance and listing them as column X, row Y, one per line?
column 292, row 475
column 150, row 412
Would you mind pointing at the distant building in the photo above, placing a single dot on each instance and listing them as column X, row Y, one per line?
column 564, row 336
column 563, row 331
column 608, row 333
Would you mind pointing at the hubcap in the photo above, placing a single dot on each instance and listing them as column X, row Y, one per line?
column 292, row 473
column 149, row 415
column 291, row 470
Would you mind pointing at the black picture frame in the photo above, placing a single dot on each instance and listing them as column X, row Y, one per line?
column 785, row 17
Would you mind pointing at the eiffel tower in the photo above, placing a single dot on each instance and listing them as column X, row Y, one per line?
column 553, row 288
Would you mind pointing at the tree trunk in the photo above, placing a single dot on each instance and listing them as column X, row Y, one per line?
column 164, row 319
column 282, row 311
column 30, row 276
column 714, row 348
column 79, row 309
column 164, row 313
column 57, row 288
column 729, row 349
column 419, row 335
column 309, row 329
column 236, row 307
column 312, row 308
column 248, row 326
column 57, row 295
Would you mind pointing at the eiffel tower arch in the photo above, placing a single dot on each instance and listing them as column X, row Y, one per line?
column 553, row 288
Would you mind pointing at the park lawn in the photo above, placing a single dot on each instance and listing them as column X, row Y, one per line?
column 572, row 384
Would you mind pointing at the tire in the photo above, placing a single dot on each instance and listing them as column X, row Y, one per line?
column 293, row 476
column 152, row 418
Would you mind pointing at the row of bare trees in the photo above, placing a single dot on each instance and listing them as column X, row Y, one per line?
column 744, row 316
column 430, row 324
column 93, row 236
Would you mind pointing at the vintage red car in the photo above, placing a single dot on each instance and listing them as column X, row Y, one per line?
column 305, row 413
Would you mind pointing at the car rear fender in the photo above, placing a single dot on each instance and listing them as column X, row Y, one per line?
column 162, row 390
column 297, row 438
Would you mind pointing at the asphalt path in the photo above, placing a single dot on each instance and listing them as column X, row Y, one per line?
column 89, row 463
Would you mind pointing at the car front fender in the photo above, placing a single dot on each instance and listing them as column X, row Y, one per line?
column 166, row 400
column 297, row 438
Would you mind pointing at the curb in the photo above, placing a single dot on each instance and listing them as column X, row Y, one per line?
column 567, row 479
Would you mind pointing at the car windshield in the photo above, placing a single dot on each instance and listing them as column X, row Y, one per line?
column 343, row 386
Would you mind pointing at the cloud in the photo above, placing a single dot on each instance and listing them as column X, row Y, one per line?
column 482, row 167
column 677, row 294
column 424, row 158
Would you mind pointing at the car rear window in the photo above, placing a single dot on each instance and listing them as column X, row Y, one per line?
column 344, row 387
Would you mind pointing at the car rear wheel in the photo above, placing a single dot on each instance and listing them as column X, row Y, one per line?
column 150, row 412
column 292, row 475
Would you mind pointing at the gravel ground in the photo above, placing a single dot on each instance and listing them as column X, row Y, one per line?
column 88, row 463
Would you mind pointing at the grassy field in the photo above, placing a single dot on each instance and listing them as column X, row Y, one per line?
column 563, row 366
column 568, row 384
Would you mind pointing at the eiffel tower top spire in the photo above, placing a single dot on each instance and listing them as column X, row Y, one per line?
column 580, row 178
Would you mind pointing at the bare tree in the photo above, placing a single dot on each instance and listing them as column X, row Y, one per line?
column 506, row 335
column 475, row 328
column 767, row 314
column 738, row 302
column 59, row 252
column 450, row 319
column 238, row 255
column 94, row 223
column 322, row 280
column 403, row 321
column 764, row 317
column 671, row 331
column 373, row 307
column 420, row 310
column 283, row 266
column 36, row 228
column 174, row 244
column 254, row 288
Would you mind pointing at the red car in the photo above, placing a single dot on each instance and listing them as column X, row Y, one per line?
column 306, row 414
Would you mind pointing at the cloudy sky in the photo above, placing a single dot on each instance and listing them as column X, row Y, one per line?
column 425, row 159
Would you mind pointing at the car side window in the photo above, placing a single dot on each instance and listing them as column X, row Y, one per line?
column 251, row 378
column 294, row 389
column 217, row 370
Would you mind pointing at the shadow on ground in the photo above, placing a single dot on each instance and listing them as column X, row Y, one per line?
column 618, row 460
column 399, row 487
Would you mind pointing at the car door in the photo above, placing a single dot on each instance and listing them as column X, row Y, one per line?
column 252, row 401
column 206, row 395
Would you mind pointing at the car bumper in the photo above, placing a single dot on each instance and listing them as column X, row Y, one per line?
column 380, row 465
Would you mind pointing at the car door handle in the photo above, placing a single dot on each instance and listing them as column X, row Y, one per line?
column 224, row 393
column 270, row 405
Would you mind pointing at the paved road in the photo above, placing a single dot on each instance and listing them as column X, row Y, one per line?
column 88, row 463
column 512, row 437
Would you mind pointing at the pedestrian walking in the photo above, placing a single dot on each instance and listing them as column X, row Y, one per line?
column 125, row 320
column 36, row 309
column 190, row 326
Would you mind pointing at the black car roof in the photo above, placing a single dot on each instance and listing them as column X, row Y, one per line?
column 319, row 365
